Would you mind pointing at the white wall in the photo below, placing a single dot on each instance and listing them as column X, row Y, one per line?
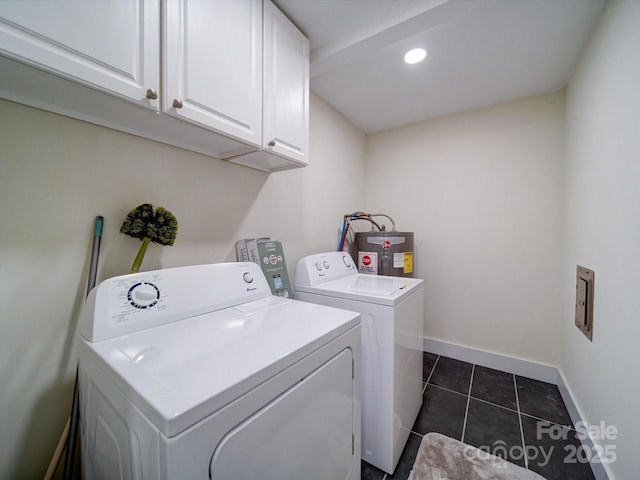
column 603, row 230
column 57, row 174
column 483, row 193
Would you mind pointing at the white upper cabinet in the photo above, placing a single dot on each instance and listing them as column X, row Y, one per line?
column 110, row 46
column 285, row 114
column 286, row 86
column 226, row 78
column 212, row 65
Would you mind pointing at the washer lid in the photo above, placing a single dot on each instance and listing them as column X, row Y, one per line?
column 378, row 289
column 179, row 373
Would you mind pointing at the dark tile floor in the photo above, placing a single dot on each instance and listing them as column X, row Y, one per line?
column 522, row 420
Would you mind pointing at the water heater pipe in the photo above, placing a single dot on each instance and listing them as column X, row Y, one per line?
column 393, row 224
column 349, row 217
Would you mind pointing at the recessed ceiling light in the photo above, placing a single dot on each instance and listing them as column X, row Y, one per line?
column 415, row 56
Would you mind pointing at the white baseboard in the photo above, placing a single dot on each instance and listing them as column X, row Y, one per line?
column 600, row 470
column 522, row 367
column 497, row 361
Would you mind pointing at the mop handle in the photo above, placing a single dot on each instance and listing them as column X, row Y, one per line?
column 93, row 269
column 74, row 418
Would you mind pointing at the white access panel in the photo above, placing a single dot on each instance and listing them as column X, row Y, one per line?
column 322, row 428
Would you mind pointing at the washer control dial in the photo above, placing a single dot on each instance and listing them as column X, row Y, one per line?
column 347, row 261
column 143, row 295
column 247, row 277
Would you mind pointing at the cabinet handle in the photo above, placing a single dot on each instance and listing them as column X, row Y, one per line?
column 177, row 103
column 152, row 94
column 272, row 143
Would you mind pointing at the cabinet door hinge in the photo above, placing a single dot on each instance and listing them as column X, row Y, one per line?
column 353, row 368
column 353, row 445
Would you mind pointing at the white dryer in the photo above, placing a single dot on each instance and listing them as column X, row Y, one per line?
column 200, row 373
column 392, row 310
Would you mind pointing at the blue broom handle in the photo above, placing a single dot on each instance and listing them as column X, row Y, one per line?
column 93, row 269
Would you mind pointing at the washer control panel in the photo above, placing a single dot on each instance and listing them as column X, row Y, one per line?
column 324, row 267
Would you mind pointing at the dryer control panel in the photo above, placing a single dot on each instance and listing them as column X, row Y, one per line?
column 323, row 267
column 129, row 303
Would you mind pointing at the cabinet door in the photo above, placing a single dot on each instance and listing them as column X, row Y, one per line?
column 110, row 46
column 213, row 65
column 286, row 87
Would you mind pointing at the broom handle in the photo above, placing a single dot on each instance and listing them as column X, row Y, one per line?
column 135, row 268
column 70, row 432
column 55, row 460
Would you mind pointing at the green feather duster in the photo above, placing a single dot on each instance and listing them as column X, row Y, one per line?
column 149, row 225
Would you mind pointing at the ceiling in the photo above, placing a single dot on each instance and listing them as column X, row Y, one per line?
column 481, row 52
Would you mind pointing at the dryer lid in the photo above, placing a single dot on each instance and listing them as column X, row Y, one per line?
column 179, row 373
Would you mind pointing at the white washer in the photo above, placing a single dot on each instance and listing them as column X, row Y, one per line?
column 200, row 373
column 392, row 310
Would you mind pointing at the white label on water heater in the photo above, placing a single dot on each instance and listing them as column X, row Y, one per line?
column 398, row 260
column 368, row 262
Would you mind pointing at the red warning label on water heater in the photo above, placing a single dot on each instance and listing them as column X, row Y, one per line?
column 368, row 262
column 386, row 244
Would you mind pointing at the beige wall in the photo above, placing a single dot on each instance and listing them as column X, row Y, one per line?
column 483, row 193
column 603, row 232
column 57, row 174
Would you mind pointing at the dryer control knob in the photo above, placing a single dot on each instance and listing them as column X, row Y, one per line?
column 247, row 277
column 347, row 261
column 326, row 264
column 318, row 266
column 143, row 295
